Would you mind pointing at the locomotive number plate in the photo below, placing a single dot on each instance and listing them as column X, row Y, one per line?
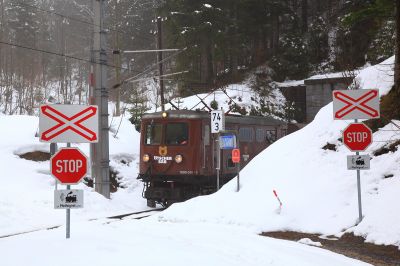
column 188, row 172
column 162, row 159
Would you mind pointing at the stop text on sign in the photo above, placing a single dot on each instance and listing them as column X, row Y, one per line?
column 357, row 137
column 68, row 166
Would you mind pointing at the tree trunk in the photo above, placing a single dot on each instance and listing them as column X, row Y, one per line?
column 234, row 45
column 206, row 61
column 275, row 30
column 304, row 16
column 397, row 52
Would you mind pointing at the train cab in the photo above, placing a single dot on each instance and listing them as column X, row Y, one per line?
column 179, row 154
column 171, row 149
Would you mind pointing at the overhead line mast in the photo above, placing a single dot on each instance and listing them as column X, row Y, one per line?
column 160, row 61
column 100, row 151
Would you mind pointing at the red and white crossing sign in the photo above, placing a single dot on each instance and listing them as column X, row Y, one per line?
column 69, row 165
column 357, row 137
column 355, row 104
column 68, row 123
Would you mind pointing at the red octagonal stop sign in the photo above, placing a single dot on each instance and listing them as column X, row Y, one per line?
column 68, row 165
column 357, row 137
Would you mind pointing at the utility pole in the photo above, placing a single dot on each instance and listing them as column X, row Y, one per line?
column 100, row 150
column 117, row 61
column 160, row 63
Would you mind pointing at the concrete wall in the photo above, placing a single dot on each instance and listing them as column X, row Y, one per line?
column 319, row 94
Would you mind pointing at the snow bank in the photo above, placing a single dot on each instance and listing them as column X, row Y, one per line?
column 319, row 194
column 26, row 201
column 145, row 243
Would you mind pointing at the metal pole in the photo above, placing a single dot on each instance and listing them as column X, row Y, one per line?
column 53, row 150
column 68, row 227
column 68, row 213
column 117, row 60
column 159, row 59
column 101, row 149
column 218, row 160
column 238, row 177
column 360, row 216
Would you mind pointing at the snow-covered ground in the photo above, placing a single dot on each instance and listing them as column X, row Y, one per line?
column 26, row 201
column 318, row 193
column 160, row 243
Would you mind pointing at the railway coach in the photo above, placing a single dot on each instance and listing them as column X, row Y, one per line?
column 179, row 154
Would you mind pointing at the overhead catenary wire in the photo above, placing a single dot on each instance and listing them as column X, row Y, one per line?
column 55, row 53
column 73, row 57
column 64, row 16
column 148, row 69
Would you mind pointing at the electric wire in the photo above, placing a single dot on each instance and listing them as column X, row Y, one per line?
column 57, row 54
column 73, row 19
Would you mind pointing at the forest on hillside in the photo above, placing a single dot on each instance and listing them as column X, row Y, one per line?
column 295, row 38
column 45, row 45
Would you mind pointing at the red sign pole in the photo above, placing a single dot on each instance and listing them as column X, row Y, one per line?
column 236, row 160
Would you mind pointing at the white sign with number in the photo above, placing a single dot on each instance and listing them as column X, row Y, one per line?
column 217, row 121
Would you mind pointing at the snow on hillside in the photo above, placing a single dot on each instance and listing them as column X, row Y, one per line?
column 27, row 204
column 241, row 94
column 26, row 201
column 318, row 193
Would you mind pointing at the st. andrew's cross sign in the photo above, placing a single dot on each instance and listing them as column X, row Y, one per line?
column 68, row 123
column 355, row 104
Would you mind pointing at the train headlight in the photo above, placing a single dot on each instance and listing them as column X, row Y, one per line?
column 164, row 114
column 178, row 158
column 146, row 158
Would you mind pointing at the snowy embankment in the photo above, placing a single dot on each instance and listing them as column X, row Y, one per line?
column 319, row 194
column 27, row 204
column 26, row 201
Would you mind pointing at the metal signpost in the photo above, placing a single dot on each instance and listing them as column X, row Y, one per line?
column 68, row 166
column 236, row 160
column 356, row 104
column 217, row 125
column 225, row 140
column 68, row 123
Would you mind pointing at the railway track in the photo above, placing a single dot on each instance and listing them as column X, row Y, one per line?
column 132, row 215
column 121, row 216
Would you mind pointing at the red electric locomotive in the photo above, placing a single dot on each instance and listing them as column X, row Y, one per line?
column 179, row 154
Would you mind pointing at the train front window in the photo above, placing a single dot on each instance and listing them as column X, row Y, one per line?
column 153, row 134
column 176, row 134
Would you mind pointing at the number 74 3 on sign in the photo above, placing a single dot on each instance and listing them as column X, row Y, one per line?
column 217, row 121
